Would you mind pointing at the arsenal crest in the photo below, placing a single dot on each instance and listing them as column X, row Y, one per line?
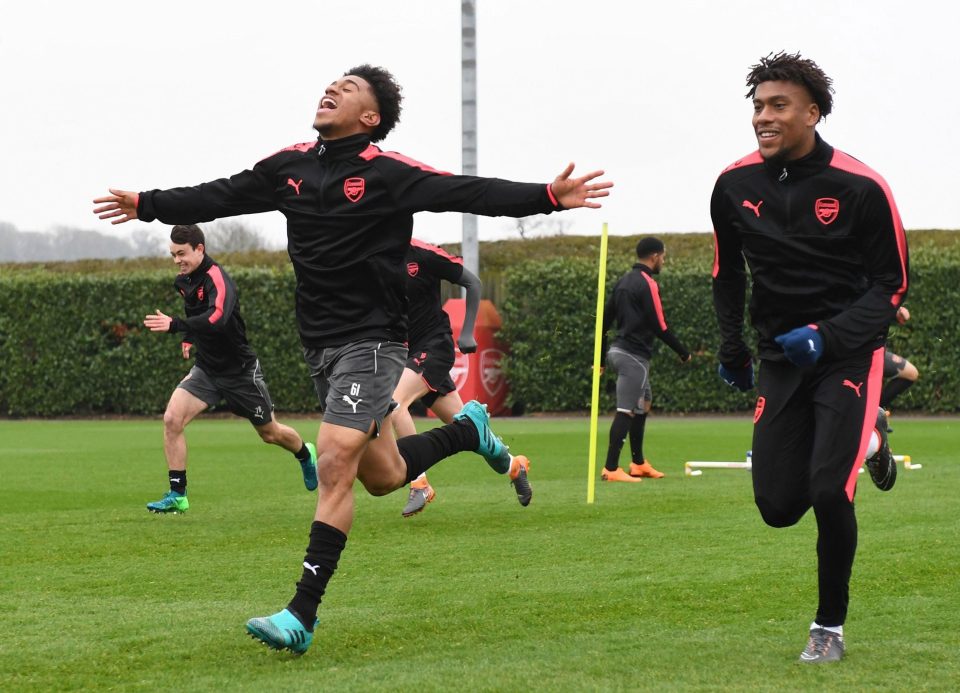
column 413, row 269
column 491, row 375
column 353, row 188
column 461, row 369
column 827, row 209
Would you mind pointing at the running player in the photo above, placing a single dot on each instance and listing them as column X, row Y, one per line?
column 827, row 254
column 349, row 208
column 899, row 373
column 431, row 355
column 226, row 367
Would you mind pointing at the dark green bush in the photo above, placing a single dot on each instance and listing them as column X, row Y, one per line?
column 548, row 318
column 72, row 340
column 75, row 344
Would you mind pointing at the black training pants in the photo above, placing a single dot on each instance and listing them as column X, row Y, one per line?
column 811, row 431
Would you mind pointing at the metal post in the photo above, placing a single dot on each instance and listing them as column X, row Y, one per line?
column 468, row 102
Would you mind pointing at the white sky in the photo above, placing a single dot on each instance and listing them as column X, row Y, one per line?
column 144, row 95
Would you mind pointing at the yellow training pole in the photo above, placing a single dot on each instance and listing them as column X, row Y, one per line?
column 597, row 341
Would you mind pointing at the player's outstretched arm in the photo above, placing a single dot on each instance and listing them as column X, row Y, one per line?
column 579, row 192
column 119, row 205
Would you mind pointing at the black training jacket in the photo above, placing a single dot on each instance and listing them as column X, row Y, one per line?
column 213, row 323
column 825, row 246
column 426, row 266
column 349, row 209
column 634, row 305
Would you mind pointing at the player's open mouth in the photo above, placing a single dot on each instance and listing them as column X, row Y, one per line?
column 327, row 104
column 767, row 134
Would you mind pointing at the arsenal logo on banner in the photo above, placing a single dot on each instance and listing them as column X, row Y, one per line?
column 491, row 374
column 461, row 370
column 353, row 188
column 413, row 269
column 827, row 209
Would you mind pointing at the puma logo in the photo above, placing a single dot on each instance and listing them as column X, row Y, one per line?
column 352, row 403
column 311, row 568
column 855, row 387
column 175, row 478
column 754, row 207
column 296, row 186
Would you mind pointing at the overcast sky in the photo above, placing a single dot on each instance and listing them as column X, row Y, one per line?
column 144, row 95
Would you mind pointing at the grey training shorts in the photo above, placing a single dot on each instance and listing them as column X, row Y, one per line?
column 355, row 382
column 245, row 393
column 633, row 380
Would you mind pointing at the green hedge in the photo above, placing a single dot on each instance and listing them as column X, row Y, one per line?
column 548, row 319
column 75, row 344
column 72, row 340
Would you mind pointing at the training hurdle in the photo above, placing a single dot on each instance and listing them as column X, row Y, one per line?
column 696, row 467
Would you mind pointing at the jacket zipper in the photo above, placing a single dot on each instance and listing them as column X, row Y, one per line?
column 784, row 175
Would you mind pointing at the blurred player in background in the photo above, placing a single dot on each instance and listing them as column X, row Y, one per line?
column 634, row 305
column 431, row 354
column 226, row 367
column 901, row 373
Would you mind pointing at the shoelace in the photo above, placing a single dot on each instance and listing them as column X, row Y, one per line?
column 820, row 642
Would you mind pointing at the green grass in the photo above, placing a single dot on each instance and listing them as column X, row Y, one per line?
column 666, row 585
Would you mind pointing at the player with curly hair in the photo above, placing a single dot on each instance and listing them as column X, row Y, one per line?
column 827, row 255
column 349, row 207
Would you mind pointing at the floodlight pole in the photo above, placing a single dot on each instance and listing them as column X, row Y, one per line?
column 470, row 247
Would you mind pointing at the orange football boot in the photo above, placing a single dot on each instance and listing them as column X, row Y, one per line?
column 618, row 475
column 645, row 469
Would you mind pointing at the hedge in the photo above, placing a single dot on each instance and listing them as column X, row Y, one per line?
column 72, row 342
column 548, row 319
column 75, row 344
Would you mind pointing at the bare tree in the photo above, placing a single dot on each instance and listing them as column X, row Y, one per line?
column 232, row 236
column 538, row 225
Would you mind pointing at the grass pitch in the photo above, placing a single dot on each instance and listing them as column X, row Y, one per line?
column 673, row 584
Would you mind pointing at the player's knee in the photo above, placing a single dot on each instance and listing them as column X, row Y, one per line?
column 378, row 487
column 829, row 497
column 172, row 422
column 269, row 434
column 382, row 479
column 335, row 465
column 910, row 372
column 779, row 514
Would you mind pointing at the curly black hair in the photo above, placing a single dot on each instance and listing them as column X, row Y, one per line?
column 792, row 67
column 388, row 95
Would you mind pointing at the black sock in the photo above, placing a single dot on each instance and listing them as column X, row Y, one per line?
column 424, row 450
column 618, row 433
column 892, row 390
column 637, row 426
column 323, row 554
column 303, row 454
column 178, row 480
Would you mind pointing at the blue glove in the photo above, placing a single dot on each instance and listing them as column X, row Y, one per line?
column 803, row 346
column 740, row 378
